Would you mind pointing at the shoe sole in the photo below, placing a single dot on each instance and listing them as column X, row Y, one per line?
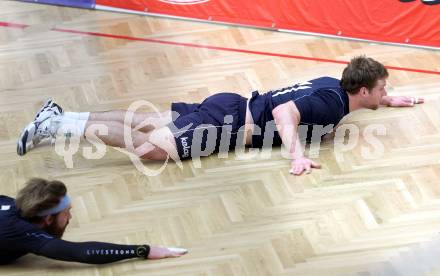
column 22, row 145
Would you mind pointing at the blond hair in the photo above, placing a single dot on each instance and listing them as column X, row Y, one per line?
column 38, row 195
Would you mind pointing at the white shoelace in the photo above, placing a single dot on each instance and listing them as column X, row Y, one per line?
column 47, row 131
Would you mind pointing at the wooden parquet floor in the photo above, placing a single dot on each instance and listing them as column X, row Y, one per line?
column 237, row 217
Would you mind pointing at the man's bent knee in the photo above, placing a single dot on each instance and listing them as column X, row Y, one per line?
column 163, row 145
column 157, row 154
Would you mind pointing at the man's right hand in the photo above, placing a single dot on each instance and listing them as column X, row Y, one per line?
column 301, row 164
column 164, row 252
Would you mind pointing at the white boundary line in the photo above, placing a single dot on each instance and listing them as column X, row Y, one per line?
column 361, row 39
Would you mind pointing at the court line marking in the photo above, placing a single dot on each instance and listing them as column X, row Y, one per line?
column 218, row 48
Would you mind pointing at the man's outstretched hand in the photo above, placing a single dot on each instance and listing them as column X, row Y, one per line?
column 302, row 164
column 165, row 252
column 402, row 101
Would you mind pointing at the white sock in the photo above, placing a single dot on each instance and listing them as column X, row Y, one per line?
column 72, row 127
column 77, row 115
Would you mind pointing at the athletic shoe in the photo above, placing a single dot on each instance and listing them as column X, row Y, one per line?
column 35, row 132
column 48, row 109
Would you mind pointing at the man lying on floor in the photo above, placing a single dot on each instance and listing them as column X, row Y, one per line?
column 35, row 222
column 225, row 121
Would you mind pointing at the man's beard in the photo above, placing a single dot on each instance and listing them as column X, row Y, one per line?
column 54, row 230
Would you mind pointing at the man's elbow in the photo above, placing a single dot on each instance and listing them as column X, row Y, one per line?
column 286, row 113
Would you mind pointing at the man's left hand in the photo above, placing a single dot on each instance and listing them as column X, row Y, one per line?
column 403, row 101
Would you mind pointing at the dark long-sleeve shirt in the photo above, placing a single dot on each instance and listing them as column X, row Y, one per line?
column 19, row 237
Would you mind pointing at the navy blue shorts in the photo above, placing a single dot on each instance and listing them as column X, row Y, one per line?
column 212, row 126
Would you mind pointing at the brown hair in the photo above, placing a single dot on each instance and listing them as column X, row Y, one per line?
column 38, row 195
column 361, row 72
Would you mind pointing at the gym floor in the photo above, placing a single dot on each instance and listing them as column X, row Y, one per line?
column 237, row 217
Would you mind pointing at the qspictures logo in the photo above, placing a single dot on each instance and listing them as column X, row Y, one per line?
column 206, row 139
column 184, row 2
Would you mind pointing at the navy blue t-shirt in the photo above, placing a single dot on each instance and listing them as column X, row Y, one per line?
column 17, row 236
column 320, row 101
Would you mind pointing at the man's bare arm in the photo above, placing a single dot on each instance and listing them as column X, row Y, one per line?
column 287, row 119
